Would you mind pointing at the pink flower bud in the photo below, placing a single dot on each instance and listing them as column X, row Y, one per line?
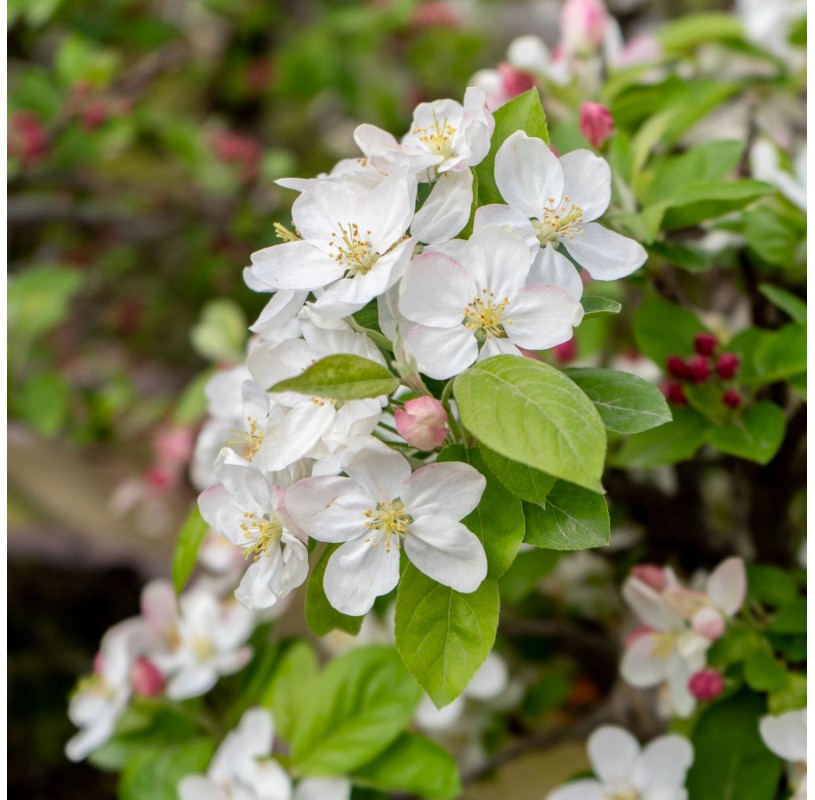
column 704, row 343
column 146, row 678
column 698, row 368
column 708, row 622
column 674, row 394
column 706, row 684
column 731, row 398
column 513, row 81
column 596, row 123
column 98, row 663
column 651, row 575
column 727, row 365
column 676, row 367
column 583, row 25
column 566, row 352
column 422, row 422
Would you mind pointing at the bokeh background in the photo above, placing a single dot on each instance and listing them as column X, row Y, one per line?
column 144, row 141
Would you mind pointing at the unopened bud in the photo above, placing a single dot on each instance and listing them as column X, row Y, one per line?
column 596, row 123
column 565, row 352
column 706, row 684
column 422, row 423
column 676, row 368
column 727, row 365
column 583, row 26
column 674, row 394
column 704, row 343
column 698, row 368
column 731, row 398
column 146, row 678
column 513, row 81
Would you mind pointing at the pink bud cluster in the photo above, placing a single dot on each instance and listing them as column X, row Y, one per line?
column 705, row 364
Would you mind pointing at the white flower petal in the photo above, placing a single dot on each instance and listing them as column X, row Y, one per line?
column 435, row 291
column 359, row 572
column 613, row 752
column 245, row 483
column 297, row 266
column 447, row 552
column 292, row 436
column 323, row 789
column 486, row 216
column 649, row 605
column 640, row 666
column 528, row 174
column 554, row 268
column 329, row 509
column 197, row 787
column 727, row 585
column 579, row 790
column 587, row 182
column 498, row 260
column 604, row 254
column 498, row 347
column 541, row 316
column 663, row 762
column 430, row 718
column 490, row 680
column 447, row 209
column 441, row 352
column 786, row 734
column 379, row 471
column 450, row 489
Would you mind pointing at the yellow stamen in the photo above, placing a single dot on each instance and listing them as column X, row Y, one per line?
column 567, row 220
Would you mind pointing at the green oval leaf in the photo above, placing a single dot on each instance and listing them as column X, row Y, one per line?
column 341, row 377
column 626, row 403
column 523, row 481
column 572, row 518
column 592, row 306
column 532, row 413
column 667, row 444
column 442, row 635
column 189, row 542
column 756, row 434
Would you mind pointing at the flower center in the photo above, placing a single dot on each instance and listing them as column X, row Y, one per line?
column 625, row 794
column 201, row 647
column 439, row 138
column 353, row 253
column 665, row 644
column 565, row 220
column 485, row 316
column 389, row 519
column 261, row 534
column 251, row 439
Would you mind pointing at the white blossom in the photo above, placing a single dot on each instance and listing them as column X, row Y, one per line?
column 786, row 736
column 381, row 507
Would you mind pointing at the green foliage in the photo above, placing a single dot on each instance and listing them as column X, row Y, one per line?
column 593, row 306
column 572, row 518
column 532, row 413
column 190, row 537
column 626, row 403
column 154, row 773
column 38, row 300
column 412, row 764
column 522, row 480
column 498, row 520
column 321, row 616
column 357, row 707
column 668, row 444
column 341, row 377
column 769, row 356
column 763, row 673
column 220, row 334
column 692, row 30
column 730, row 760
column 442, row 635
column 522, row 113
column 786, row 301
column 756, row 434
column 662, row 329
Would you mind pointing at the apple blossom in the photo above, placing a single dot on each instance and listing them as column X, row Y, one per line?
column 786, row 736
column 474, row 300
column 627, row 771
column 583, row 26
column 381, row 507
column 596, row 123
column 422, row 422
column 554, row 201
column 765, row 166
column 247, row 509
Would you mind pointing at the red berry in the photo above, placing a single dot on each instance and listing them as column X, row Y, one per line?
column 727, row 365
column 676, row 368
column 706, row 684
column 731, row 398
column 698, row 368
column 704, row 343
column 675, row 394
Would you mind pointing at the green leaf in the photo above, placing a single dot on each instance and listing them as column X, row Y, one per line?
column 769, row 585
column 192, row 534
column 791, row 697
column 702, row 201
column 532, row 413
column 38, row 300
column 341, row 377
column 786, row 301
column 523, row 481
column 626, row 403
column 730, row 760
column 790, row 618
column 359, row 705
column 769, row 356
column 524, row 576
column 290, row 687
column 691, row 30
column 687, row 257
column 777, row 232
column 593, row 306
column 153, row 773
column 764, row 673
column 442, row 635
column 522, row 113
column 738, row 643
column 498, row 520
column 662, row 329
column 220, row 334
column 321, row 616
column 415, row 765
column 667, row 444
column 571, row 519
column 44, row 403
column 756, row 434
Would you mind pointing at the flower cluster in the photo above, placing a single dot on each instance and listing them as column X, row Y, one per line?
column 679, row 625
